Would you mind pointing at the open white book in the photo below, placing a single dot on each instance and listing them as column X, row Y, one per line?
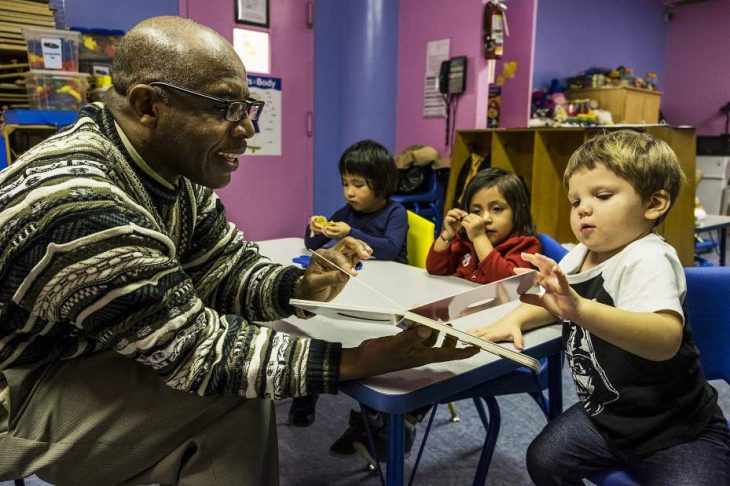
column 438, row 314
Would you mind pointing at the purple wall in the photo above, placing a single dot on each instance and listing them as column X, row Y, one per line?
column 271, row 197
column 518, row 47
column 460, row 21
column 574, row 35
column 115, row 15
column 422, row 21
column 698, row 66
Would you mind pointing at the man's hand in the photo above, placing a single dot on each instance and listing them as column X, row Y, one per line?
column 559, row 298
column 409, row 349
column 321, row 280
column 336, row 231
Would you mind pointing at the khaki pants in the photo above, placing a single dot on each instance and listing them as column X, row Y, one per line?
column 105, row 419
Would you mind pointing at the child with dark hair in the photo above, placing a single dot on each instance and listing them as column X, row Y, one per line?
column 369, row 178
column 485, row 244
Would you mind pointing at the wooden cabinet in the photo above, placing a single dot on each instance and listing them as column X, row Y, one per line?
column 540, row 156
column 21, row 129
column 16, row 139
column 627, row 105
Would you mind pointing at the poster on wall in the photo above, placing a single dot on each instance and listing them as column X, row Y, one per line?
column 267, row 140
column 433, row 103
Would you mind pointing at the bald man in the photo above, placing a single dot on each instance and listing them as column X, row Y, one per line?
column 128, row 349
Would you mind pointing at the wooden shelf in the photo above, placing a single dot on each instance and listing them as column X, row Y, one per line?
column 626, row 104
column 540, row 156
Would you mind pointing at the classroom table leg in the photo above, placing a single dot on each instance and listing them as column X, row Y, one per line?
column 396, row 450
column 723, row 242
column 555, row 384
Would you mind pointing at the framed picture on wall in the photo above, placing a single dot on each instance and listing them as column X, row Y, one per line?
column 253, row 12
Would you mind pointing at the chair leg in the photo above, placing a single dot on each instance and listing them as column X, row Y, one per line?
column 371, row 464
column 423, row 444
column 490, row 442
column 482, row 413
column 452, row 411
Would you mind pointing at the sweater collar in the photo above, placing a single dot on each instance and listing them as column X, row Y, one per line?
column 158, row 188
column 140, row 161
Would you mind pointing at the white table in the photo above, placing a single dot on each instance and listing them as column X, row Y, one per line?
column 715, row 222
column 399, row 392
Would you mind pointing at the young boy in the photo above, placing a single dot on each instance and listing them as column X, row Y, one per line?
column 645, row 405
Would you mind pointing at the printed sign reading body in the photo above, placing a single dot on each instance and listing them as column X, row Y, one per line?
column 267, row 140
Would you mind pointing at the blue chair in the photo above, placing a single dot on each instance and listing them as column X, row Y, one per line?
column 551, row 248
column 521, row 380
column 708, row 308
column 428, row 204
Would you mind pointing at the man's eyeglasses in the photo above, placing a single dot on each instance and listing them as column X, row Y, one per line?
column 233, row 111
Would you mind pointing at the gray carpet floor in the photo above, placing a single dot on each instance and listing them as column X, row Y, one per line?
column 451, row 453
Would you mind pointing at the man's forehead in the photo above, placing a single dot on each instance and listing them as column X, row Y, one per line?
column 228, row 87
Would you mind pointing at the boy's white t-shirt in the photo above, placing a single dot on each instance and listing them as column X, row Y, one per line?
column 646, row 276
column 638, row 405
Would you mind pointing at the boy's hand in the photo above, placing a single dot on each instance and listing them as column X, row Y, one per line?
column 452, row 222
column 336, row 230
column 474, row 226
column 504, row 329
column 316, row 223
column 322, row 281
column 559, row 298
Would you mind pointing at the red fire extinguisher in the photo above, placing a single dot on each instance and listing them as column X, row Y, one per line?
column 494, row 28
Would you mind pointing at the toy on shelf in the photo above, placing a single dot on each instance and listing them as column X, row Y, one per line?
column 622, row 76
column 651, row 80
column 53, row 90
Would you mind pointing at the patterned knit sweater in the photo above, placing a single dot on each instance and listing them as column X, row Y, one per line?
column 98, row 252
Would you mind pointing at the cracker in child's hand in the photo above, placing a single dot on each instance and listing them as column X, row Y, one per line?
column 321, row 221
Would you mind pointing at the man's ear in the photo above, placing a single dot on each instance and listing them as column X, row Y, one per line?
column 143, row 101
column 657, row 205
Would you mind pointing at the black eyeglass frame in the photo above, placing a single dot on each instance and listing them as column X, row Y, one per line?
column 228, row 107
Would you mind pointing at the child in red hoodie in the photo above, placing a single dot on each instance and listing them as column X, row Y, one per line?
column 485, row 244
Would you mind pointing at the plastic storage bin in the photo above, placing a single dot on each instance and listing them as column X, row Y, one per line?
column 99, row 45
column 52, row 49
column 54, row 90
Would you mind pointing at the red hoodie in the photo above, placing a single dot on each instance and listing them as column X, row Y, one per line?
column 461, row 259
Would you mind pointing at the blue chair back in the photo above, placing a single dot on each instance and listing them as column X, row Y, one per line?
column 551, row 248
column 708, row 311
column 428, row 204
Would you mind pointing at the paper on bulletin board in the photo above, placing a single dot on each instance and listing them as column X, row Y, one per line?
column 433, row 102
column 267, row 140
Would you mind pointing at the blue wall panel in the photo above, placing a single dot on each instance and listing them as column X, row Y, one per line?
column 355, row 85
column 115, row 15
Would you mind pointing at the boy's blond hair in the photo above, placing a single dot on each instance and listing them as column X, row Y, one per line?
column 647, row 163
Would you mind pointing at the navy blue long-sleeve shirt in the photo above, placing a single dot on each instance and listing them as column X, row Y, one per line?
column 385, row 230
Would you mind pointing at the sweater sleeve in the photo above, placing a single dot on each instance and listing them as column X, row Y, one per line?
column 92, row 270
column 224, row 267
column 500, row 264
column 387, row 247
column 444, row 262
